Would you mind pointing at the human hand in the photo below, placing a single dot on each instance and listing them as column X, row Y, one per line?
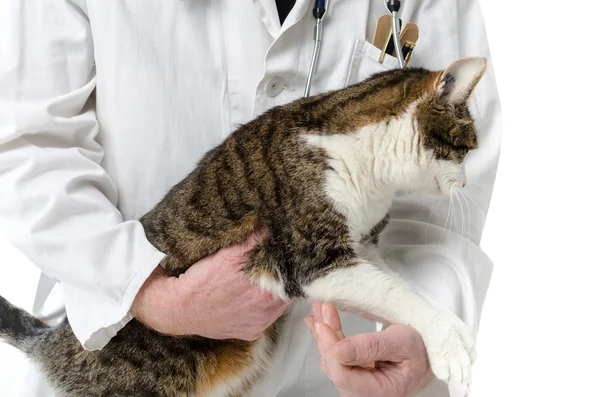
column 213, row 298
column 392, row 362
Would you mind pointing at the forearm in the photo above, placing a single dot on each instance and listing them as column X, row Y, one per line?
column 58, row 203
column 77, row 238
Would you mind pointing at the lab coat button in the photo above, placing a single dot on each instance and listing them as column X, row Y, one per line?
column 275, row 86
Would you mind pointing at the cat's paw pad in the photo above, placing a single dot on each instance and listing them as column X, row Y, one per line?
column 451, row 352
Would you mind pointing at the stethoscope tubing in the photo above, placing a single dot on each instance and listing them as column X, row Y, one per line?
column 318, row 39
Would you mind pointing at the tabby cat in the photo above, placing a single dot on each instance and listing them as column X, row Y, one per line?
column 319, row 174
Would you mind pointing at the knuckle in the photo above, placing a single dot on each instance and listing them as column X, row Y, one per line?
column 372, row 346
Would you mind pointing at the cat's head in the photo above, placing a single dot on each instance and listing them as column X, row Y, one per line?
column 446, row 132
column 410, row 127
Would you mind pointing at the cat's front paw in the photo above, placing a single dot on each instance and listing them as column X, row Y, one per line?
column 451, row 351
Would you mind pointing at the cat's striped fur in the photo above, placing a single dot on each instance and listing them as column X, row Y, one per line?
column 281, row 171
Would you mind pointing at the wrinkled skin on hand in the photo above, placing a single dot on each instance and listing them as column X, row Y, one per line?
column 392, row 362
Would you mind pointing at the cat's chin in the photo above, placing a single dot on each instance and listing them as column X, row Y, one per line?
column 437, row 193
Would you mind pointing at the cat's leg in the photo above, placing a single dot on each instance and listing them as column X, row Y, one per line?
column 263, row 271
column 366, row 289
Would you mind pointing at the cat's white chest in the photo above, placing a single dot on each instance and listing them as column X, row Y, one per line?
column 363, row 170
column 363, row 206
column 364, row 216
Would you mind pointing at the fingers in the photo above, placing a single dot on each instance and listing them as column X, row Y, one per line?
column 354, row 380
column 361, row 349
column 394, row 344
column 324, row 313
column 364, row 349
column 331, row 317
column 326, row 339
column 310, row 321
column 325, row 327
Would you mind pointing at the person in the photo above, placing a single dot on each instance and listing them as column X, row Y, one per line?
column 105, row 105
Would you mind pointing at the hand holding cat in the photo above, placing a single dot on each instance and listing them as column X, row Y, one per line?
column 392, row 362
column 213, row 299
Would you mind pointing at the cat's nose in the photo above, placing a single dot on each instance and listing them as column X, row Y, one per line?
column 464, row 184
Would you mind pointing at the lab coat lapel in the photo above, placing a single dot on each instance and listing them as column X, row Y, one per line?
column 296, row 14
column 267, row 10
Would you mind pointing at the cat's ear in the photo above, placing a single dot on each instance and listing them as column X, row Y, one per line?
column 459, row 79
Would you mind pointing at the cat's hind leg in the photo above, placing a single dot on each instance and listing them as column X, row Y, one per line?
column 366, row 289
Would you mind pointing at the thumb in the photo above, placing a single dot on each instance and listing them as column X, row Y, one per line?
column 364, row 349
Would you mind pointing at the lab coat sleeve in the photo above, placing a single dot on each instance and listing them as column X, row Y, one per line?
column 435, row 242
column 58, row 205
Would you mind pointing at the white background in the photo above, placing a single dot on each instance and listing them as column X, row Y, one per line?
column 540, row 333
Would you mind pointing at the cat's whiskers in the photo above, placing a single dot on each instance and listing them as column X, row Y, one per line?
column 451, row 208
column 448, row 215
column 462, row 213
column 429, row 220
column 470, row 197
column 418, row 213
column 456, row 221
column 461, row 193
column 453, row 217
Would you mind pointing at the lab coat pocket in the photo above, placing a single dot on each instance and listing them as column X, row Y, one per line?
column 365, row 62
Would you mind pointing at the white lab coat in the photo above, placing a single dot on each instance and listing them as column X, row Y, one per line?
column 105, row 105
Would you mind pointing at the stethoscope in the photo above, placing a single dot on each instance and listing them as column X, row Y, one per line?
column 319, row 12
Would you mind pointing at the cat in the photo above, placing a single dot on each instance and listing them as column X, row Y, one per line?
column 319, row 174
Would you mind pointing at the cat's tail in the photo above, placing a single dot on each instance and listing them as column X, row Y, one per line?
column 19, row 328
